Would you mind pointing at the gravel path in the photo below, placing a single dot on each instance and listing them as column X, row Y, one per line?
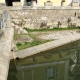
column 57, row 35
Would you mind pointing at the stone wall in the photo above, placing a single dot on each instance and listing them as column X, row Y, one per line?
column 16, row 4
column 45, row 18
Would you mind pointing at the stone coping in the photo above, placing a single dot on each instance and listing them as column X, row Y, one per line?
column 49, row 45
column 5, row 50
column 43, row 7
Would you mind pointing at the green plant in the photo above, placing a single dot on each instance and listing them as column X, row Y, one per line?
column 18, row 44
column 54, row 29
column 33, row 43
column 36, row 40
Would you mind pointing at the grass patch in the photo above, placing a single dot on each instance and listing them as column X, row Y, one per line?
column 29, row 44
column 54, row 29
column 36, row 41
column 16, row 36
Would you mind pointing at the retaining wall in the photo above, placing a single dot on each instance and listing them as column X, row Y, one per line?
column 45, row 17
column 5, row 52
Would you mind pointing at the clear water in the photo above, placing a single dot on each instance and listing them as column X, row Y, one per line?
column 57, row 64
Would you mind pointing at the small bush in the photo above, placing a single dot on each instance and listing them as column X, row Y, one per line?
column 18, row 44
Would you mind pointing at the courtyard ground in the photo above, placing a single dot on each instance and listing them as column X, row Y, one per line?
column 36, row 37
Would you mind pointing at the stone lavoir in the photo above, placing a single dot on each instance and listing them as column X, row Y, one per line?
column 60, row 63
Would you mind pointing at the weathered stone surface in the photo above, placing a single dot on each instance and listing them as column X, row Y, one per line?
column 18, row 30
column 5, row 50
column 29, row 51
column 48, row 3
column 17, row 4
column 23, row 38
column 67, row 38
column 30, row 18
column 75, row 4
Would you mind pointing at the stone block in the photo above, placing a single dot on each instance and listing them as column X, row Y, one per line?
column 12, row 24
column 40, row 48
column 34, row 3
column 16, row 4
column 27, row 25
column 75, row 4
column 18, row 31
column 55, row 24
column 64, row 26
column 32, row 26
column 63, row 3
column 27, row 52
column 44, row 18
column 49, row 24
column 48, row 3
column 2, row 4
column 25, row 32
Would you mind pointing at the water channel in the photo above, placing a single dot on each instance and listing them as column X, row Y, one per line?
column 62, row 63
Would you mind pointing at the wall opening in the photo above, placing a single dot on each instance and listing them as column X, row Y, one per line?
column 29, row 2
column 9, row 2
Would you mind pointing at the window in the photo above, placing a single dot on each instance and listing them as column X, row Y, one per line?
column 52, row 72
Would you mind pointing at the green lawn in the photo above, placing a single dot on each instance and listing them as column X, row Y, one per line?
column 54, row 29
column 29, row 44
column 36, row 41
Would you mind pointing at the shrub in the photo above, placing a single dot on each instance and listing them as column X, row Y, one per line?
column 18, row 44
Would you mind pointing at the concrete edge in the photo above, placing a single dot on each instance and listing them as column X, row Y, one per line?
column 46, row 46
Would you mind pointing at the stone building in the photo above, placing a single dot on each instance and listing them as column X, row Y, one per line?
column 54, row 64
column 36, row 2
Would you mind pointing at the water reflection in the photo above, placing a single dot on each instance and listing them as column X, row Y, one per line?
column 50, row 65
column 12, row 71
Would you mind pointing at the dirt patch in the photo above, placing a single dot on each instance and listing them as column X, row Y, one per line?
column 23, row 38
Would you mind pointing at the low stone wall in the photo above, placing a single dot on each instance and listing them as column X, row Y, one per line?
column 5, row 52
column 16, row 4
column 46, row 18
column 66, row 44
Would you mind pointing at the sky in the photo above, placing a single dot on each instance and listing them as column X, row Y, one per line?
column 76, row 0
column 69, row 1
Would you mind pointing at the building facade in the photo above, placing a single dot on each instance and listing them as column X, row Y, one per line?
column 36, row 2
column 55, row 64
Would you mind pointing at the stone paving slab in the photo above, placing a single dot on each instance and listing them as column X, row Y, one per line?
column 23, row 53
column 56, row 35
column 5, row 48
column 49, row 45
column 40, row 48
